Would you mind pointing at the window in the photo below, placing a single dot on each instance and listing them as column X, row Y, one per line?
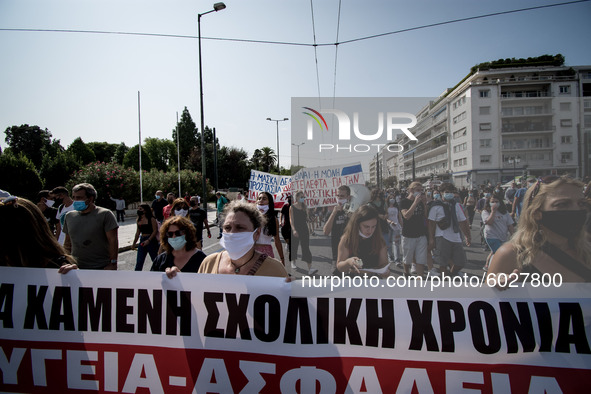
column 565, row 107
column 485, row 159
column 564, row 89
column 485, row 127
column 484, row 93
column 587, row 105
column 460, row 117
column 459, row 133
column 566, row 139
column 460, row 162
column 484, row 110
column 485, row 143
column 566, row 156
column 461, row 147
column 566, row 122
column 587, row 121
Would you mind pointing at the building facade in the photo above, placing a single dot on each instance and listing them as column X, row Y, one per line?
column 500, row 124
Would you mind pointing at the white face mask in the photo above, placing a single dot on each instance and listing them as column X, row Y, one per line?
column 494, row 204
column 181, row 212
column 237, row 244
column 49, row 203
column 363, row 235
column 263, row 208
column 342, row 201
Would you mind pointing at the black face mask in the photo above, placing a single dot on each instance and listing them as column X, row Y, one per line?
column 140, row 213
column 568, row 224
column 192, row 203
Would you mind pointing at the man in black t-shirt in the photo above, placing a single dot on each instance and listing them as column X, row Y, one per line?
column 45, row 204
column 199, row 218
column 337, row 221
column 158, row 205
column 413, row 209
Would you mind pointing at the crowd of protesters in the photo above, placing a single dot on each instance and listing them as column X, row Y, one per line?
column 541, row 226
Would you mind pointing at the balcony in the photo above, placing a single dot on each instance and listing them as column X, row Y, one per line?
column 527, row 127
column 525, row 94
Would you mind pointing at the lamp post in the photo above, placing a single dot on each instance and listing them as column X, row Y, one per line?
column 298, row 145
column 277, row 123
column 216, row 7
column 514, row 160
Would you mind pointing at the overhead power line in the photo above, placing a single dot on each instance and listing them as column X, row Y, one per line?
column 297, row 43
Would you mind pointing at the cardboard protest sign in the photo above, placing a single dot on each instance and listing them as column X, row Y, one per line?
column 278, row 185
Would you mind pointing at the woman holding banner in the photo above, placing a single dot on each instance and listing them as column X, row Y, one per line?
column 298, row 215
column 362, row 248
column 242, row 224
column 269, row 233
column 550, row 237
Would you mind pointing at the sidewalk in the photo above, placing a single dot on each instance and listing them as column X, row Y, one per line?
column 128, row 228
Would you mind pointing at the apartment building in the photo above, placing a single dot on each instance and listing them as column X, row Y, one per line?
column 499, row 123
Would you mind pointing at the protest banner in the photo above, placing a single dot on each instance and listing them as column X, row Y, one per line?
column 278, row 185
column 140, row 331
column 320, row 184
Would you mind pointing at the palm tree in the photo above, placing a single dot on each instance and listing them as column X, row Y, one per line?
column 269, row 158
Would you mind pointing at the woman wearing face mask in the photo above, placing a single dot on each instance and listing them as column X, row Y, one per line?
column 362, row 248
column 270, row 233
column 242, row 224
column 550, row 237
column 497, row 224
column 147, row 229
column 298, row 215
column 179, row 208
column 470, row 204
column 179, row 242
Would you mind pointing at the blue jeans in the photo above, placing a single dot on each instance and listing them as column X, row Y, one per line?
column 494, row 244
column 393, row 245
column 142, row 251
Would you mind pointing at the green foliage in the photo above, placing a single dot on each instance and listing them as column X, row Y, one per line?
column 28, row 140
column 103, row 151
column 81, row 151
column 108, row 177
column 120, row 152
column 18, row 176
column 168, row 182
column 544, row 60
column 132, row 159
column 194, row 161
column 233, row 168
column 268, row 158
column 162, row 153
column 188, row 136
column 256, row 160
column 57, row 169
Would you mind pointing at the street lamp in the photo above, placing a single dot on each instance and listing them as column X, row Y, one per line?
column 514, row 160
column 216, row 7
column 277, row 123
column 298, row 145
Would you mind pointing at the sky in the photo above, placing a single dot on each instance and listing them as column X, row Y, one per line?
column 86, row 85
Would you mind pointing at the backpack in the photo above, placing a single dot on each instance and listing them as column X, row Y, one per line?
column 447, row 220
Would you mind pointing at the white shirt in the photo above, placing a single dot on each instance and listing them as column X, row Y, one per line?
column 61, row 216
column 119, row 203
column 436, row 214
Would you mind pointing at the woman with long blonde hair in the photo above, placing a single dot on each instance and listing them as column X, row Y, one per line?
column 550, row 237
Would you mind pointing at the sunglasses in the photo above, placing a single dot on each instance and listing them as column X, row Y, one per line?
column 545, row 180
column 177, row 233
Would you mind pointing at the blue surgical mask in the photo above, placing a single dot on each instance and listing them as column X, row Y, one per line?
column 302, row 199
column 80, row 205
column 487, row 195
column 177, row 243
column 157, row 197
column 448, row 196
column 437, row 196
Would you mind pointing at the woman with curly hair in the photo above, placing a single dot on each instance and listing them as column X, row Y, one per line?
column 550, row 237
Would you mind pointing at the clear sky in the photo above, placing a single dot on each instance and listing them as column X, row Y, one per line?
column 81, row 84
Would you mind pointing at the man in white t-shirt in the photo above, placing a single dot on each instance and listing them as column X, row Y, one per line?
column 64, row 204
column 446, row 219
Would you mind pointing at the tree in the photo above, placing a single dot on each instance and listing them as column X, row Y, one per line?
column 120, row 152
column 56, row 170
column 188, row 136
column 162, row 153
column 28, row 140
column 233, row 167
column 132, row 159
column 103, row 151
column 194, row 161
column 81, row 151
column 257, row 159
column 18, row 176
column 268, row 158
